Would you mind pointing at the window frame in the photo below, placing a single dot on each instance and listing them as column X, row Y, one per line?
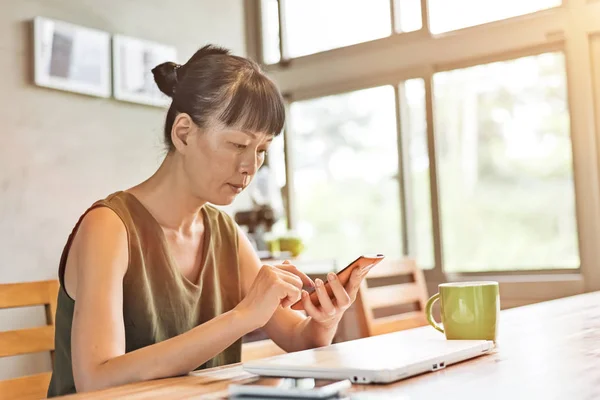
column 568, row 28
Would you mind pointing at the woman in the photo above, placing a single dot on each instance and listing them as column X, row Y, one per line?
column 155, row 281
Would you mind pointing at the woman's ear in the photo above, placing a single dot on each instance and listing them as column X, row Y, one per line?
column 181, row 131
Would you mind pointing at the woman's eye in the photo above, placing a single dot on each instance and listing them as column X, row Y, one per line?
column 239, row 146
column 263, row 152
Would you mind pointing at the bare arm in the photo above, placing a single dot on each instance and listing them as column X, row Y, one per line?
column 99, row 258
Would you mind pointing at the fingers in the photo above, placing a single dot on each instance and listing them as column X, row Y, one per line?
column 355, row 281
column 278, row 273
column 288, row 286
column 292, row 269
column 342, row 299
column 312, row 310
column 289, row 277
column 289, row 294
column 326, row 304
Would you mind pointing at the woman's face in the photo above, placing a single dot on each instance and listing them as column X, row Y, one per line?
column 220, row 162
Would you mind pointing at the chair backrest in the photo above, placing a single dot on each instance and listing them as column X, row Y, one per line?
column 31, row 340
column 407, row 300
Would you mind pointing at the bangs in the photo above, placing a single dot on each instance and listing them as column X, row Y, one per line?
column 255, row 105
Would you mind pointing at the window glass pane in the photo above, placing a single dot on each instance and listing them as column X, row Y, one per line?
column 449, row 15
column 270, row 31
column 313, row 26
column 274, row 185
column 414, row 133
column 275, row 159
column 408, row 15
column 505, row 166
column 345, row 161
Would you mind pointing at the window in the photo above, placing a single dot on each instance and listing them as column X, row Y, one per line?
column 498, row 128
column 273, row 187
column 416, row 171
column 407, row 14
column 312, row 26
column 449, row 15
column 270, row 31
column 345, row 164
column 505, row 166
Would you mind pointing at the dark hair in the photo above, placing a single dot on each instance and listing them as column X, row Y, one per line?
column 214, row 83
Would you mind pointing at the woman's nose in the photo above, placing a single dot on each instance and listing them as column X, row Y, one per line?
column 249, row 165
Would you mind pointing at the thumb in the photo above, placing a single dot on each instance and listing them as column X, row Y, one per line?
column 286, row 262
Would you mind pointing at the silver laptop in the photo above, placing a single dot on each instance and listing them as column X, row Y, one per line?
column 378, row 359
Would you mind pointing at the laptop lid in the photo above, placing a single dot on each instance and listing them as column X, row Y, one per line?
column 384, row 358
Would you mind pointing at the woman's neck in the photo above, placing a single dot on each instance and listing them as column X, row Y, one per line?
column 167, row 196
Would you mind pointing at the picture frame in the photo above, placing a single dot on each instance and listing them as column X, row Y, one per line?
column 133, row 61
column 72, row 58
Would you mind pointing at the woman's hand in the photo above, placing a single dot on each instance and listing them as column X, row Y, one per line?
column 329, row 311
column 274, row 286
column 292, row 269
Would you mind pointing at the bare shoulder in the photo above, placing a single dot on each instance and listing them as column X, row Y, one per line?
column 99, row 252
column 101, row 221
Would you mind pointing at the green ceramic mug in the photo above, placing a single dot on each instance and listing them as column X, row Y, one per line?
column 469, row 310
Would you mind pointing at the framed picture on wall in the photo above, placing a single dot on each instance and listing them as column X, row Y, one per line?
column 71, row 57
column 133, row 61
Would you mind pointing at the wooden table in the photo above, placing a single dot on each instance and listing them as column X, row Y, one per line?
column 545, row 351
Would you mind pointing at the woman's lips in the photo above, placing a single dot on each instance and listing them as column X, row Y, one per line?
column 236, row 188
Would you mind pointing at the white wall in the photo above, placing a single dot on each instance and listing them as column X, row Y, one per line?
column 59, row 151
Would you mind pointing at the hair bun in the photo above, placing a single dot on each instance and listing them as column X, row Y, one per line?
column 165, row 76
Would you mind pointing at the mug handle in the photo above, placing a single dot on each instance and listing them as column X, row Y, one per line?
column 428, row 308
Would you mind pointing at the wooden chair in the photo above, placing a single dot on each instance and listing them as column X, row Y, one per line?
column 32, row 340
column 372, row 297
column 260, row 349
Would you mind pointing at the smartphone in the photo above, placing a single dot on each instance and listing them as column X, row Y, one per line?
column 290, row 388
column 368, row 261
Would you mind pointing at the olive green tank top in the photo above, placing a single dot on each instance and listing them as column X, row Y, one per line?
column 159, row 302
